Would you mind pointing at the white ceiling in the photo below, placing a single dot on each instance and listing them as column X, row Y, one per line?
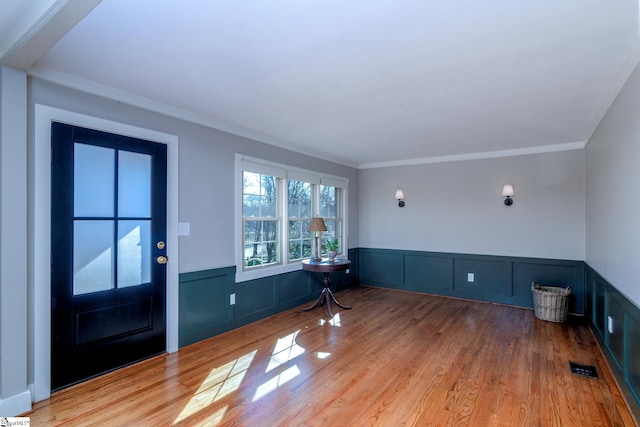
column 363, row 82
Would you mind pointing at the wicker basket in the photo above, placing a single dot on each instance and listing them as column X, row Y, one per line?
column 550, row 303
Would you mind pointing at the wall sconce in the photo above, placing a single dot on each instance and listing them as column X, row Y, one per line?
column 507, row 192
column 400, row 198
column 317, row 225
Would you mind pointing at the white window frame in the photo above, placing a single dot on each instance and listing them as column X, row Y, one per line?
column 285, row 172
column 278, row 218
column 340, row 217
column 287, row 218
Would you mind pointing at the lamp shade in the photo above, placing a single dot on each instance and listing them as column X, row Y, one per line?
column 317, row 224
column 507, row 190
column 399, row 194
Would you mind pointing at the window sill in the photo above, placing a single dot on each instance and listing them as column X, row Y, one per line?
column 246, row 275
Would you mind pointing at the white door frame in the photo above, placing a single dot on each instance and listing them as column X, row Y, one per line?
column 40, row 239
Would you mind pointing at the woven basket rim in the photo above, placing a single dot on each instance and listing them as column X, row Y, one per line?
column 536, row 287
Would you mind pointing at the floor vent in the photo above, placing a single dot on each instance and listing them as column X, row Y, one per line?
column 588, row 371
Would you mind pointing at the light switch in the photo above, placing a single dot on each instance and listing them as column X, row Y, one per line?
column 471, row 277
column 184, row 228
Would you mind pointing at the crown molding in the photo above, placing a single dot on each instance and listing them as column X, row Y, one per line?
column 476, row 156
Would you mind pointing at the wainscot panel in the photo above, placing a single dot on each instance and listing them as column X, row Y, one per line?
column 382, row 267
column 428, row 273
column 633, row 351
column 489, row 278
column 293, row 287
column 351, row 276
column 598, row 307
column 615, row 320
column 615, row 327
column 500, row 279
column 204, row 303
column 255, row 296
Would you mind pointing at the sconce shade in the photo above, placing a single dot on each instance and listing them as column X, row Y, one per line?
column 399, row 197
column 317, row 224
column 507, row 190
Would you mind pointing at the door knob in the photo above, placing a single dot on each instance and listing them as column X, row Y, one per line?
column 162, row 259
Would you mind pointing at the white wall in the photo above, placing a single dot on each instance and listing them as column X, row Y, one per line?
column 613, row 188
column 14, row 394
column 457, row 206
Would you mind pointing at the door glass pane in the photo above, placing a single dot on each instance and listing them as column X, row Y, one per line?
column 134, row 253
column 93, row 181
column 134, row 184
column 92, row 256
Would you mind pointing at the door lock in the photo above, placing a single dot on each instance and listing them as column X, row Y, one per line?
column 162, row 259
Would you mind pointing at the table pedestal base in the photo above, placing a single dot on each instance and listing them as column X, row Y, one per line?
column 326, row 296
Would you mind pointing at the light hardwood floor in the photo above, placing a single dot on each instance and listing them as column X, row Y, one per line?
column 395, row 359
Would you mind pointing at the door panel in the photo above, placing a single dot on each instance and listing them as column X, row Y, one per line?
column 115, row 321
column 108, row 219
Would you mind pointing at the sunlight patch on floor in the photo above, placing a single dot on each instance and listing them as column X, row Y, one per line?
column 219, row 383
column 286, row 349
column 334, row 321
column 322, row 355
column 276, row 382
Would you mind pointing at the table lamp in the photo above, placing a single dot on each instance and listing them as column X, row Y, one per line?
column 317, row 225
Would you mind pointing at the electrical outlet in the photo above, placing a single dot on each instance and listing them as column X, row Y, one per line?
column 471, row 277
column 610, row 324
column 232, row 299
column 347, row 271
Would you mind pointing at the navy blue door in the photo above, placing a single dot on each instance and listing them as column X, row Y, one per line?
column 108, row 272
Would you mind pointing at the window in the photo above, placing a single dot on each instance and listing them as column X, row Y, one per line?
column 330, row 211
column 299, row 214
column 277, row 203
column 260, row 219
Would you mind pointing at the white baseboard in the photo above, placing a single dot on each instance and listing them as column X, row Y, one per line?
column 16, row 405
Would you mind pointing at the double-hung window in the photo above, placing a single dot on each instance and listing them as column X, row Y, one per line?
column 299, row 214
column 330, row 211
column 277, row 204
column 261, row 222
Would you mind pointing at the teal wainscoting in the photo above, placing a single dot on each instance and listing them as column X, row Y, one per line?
column 205, row 309
column 500, row 279
column 618, row 337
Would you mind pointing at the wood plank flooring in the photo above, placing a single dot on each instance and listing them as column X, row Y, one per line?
column 395, row 359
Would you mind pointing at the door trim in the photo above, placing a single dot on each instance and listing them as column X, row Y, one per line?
column 40, row 240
